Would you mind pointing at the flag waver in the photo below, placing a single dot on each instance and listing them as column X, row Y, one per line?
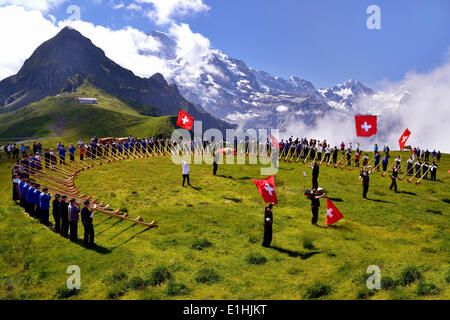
column 184, row 120
column 266, row 188
column 366, row 126
column 404, row 138
column 333, row 214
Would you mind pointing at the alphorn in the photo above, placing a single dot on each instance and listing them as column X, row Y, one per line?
column 375, row 167
column 300, row 153
column 426, row 172
column 287, row 155
column 400, row 178
column 307, row 156
column 346, row 163
column 417, row 172
column 384, row 173
column 368, row 162
column 336, row 164
column 329, row 161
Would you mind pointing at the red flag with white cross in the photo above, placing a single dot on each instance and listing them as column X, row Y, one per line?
column 366, row 126
column 333, row 214
column 266, row 188
column 404, row 138
column 184, row 120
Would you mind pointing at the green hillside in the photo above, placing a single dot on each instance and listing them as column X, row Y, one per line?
column 61, row 118
column 207, row 244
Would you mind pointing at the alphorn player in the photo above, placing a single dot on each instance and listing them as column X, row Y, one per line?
column 364, row 178
column 433, row 169
column 394, row 177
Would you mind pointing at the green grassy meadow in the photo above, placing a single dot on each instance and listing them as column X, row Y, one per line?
column 207, row 244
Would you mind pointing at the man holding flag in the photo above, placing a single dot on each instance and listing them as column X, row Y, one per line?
column 315, row 204
column 266, row 188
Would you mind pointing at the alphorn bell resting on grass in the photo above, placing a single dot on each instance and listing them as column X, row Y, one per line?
column 339, row 162
column 384, row 173
column 300, row 153
column 415, row 175
column 408, row 171
column 307, row 155
column 426, row 172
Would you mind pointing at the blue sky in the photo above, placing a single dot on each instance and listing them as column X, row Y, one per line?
column 323, row 41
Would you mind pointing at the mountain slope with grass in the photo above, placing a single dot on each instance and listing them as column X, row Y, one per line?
column 207, row 244
column 65, row 62
column 61, row 118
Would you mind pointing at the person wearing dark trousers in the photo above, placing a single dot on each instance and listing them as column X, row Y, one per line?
column 335, row 154
column 74, row 217
column 185, row 172
column 37, row 197
column 16, row 191
column 384, row 162
column 87, row 216
column 215, row 163
column 56, row 211
column 30, row 200
column 315, row 175
column 433, row 169
column 44, row 206
column 315, row 204
column 268, row 222
column 425, row 170
column 72, row 153
column 394, row 177
column 64, row 217
column 364, row 178
column 62, row 155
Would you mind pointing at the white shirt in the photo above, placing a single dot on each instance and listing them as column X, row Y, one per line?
column 185, row 167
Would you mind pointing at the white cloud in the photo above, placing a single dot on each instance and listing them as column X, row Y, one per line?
column 118, row 6
column 134, row 6
column 41, row 5
column 31, row 28
column 282, row 109
column 163, row 11
column 124, row 46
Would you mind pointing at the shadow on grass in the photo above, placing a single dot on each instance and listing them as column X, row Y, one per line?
column 195, row 188
column 235, row 200
column 225, row 177
column 338, row 227
column 336, row 199
column 295, row 254
column 446, row 200
column 110, row 227
column 96, row 247
column 434, row 211
column 408, row 193
column 124, row 230
column 378, row 200
column 134, row 236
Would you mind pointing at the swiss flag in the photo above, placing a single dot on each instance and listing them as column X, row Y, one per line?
column 275, row 141
column 185, row 121
column 266, row 188
column 333, row 214
column 366, row 126
column 404, row 138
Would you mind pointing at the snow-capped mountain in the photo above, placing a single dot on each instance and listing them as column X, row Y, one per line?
column 229, row 89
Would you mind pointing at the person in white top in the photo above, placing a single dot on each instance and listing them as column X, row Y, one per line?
column 185, row 172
